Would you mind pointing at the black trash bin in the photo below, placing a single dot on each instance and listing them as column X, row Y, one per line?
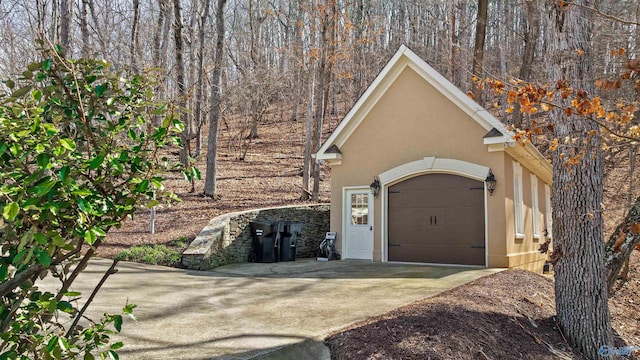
column 288, row 241
column 265, row 242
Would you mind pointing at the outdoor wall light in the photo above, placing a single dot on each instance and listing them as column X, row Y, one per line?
column 375, row 187
column 490, row 181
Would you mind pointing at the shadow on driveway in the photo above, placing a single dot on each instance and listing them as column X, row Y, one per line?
column 243, row 310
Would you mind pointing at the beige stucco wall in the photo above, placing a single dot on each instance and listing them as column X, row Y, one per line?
column 411, row 121
column 523, row 252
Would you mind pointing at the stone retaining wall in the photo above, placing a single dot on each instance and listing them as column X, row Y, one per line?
column 227, row 238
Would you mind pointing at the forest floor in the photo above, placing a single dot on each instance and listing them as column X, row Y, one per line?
column 507, row 315
column 263, row 172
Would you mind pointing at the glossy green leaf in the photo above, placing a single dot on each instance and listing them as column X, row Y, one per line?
column 143, row 186
column 4, row 271
column 10, row 211
column 195, row 173
column 63, row 173
column 178, row 126
column 117, row 322
column 63, row 343
column 83, row 205
column 44, row 258
column 46, row 65
column 43, row 160
column 41, row 239
column 90, row 237
column 100, row 89
column 68, row 144
column 44, row 187
column 96, row 162
column 98, row 232
column 52, row 343
column 57, row 240
column 113, row 355
column 82, row 192
column 65, row 306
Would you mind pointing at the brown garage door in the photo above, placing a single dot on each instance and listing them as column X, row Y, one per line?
column 437, row 218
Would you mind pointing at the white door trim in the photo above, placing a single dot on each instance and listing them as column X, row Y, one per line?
column 346, row 216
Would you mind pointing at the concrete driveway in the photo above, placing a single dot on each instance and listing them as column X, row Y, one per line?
column 247, row 311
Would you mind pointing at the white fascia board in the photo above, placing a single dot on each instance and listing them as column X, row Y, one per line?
column 533, row 160
column 498, row 140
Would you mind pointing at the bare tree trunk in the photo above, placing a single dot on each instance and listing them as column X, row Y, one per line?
column 358, row 58
column 133, row 46
column 306, row 167
column 66, row 13
column 500, row 32
column 298, row 59
column 325, row 69
column 531, row 33
column 210, row 177
column 157, row 35
column 578, row 251
column 98, row 29
column 200, row 86
column 84, row 29
column 478, row 50
column 454, row 43
column 622, row 243
column 185, row 151
column 55, row 21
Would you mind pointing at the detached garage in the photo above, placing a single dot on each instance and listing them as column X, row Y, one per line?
column 420, row 173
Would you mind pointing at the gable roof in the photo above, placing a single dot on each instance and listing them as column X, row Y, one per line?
column 498, row 137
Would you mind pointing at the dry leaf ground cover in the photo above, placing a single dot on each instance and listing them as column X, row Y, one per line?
column 269, row 175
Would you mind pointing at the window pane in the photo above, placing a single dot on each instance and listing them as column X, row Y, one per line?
column 359, row 209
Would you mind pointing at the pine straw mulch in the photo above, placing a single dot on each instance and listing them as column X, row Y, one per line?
column 507, row 315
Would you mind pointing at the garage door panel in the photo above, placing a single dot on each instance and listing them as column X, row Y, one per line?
column 437, row 197
column 445, row 235
column 438, row 254
column 437, row 218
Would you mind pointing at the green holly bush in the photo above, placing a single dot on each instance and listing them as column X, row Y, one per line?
column 80, row 151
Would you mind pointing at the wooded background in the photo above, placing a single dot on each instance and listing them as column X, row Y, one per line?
column 304, row 60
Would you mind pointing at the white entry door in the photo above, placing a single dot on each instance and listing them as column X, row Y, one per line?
column 359, row 229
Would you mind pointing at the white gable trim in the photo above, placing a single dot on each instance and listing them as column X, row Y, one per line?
column 402, row 59
column 363, row 106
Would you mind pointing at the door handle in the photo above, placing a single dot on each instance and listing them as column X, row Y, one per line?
column 371, row 228
column 435, row 220
column 430, row 220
